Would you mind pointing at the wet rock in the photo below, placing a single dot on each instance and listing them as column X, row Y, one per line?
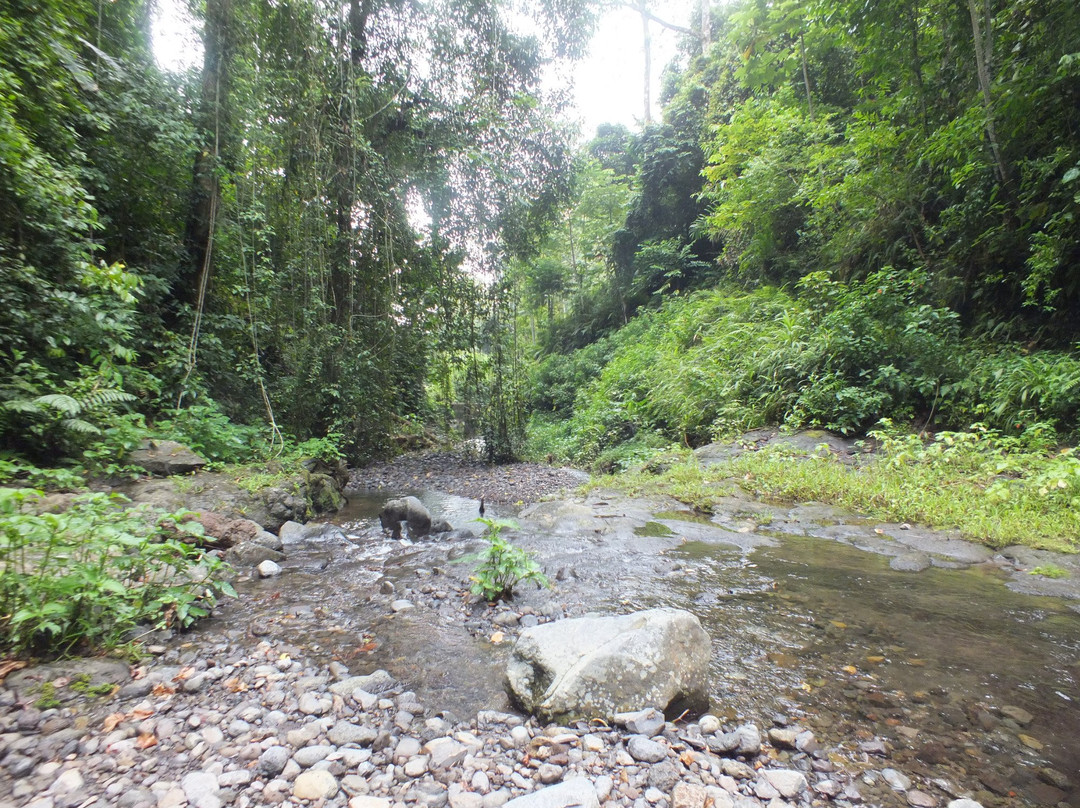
column 782, row 738
column 1017, row 714
column 268, row 569
column 1053, row 777
column 250, row 554
column 587, row 667
column 920, row 799
column 964, row 803
column 910, row 562
column 896, row 780
column 402, row 605
column 827, row 788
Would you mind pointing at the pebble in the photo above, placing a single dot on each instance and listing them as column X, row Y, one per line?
column 268, row 569
column 268, row 729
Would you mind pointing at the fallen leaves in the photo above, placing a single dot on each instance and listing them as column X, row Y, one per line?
column 9, row 666
column 112, row 721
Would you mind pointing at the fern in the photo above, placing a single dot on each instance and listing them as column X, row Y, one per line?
column 59, row 402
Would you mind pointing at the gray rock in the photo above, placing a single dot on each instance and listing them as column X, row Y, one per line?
column 549, row 773
column 600, row 666
column 576, row 792
column 250, row 554
column 964, row 803
column 1017, row 714
column 642, row 722
column 920, row 799
column 663, row 775
column 166, row 457
column 709, row 724
column 783, row 738
column 896, row 780
column 788, row 782
column 445, row 752
column 344, row 732
column 910, row 562
column 402, row 605
column 310, row 755
column 268, row 539
column 292, row 533
column 645, row 750
column 273, row 760
column 313, row 704
column 688, row 795
column 198, row 787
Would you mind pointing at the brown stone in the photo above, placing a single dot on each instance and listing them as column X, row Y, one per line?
column 685, row 795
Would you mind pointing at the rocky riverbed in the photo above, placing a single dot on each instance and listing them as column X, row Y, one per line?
column 840, row 677
column 233, row 725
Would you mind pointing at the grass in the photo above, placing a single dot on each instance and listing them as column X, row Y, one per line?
column 989, row 494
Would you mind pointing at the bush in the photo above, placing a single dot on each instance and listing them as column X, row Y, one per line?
column 83, row 579
column 207, row 430
column 503, row 566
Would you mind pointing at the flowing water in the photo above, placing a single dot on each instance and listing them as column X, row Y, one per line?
column 962, row 680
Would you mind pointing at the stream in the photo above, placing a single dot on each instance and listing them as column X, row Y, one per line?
column 945, row 672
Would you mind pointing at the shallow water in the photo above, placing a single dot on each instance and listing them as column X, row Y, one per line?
column 810, row 627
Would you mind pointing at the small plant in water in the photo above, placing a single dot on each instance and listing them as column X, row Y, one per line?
column 503, row 566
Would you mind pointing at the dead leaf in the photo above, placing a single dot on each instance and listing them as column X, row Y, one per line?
column 185, row 673
column 9, row 666
column 687, row 759
column 138, row 671
column 874, row 660
column 234, row 685
column 146, row 741
column 140, row 714
column 850, row 669
column 112, row 721
column 162, row 689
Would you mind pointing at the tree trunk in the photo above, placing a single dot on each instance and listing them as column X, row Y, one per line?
column 647, row 48
column 205, row 192
column 983, row 34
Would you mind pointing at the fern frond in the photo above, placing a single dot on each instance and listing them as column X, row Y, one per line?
column 60, row 402
column 105, row 398
column 24, row 405
column 80, row 426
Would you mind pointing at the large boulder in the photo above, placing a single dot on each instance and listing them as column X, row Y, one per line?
column 166, row 457
column 409, row 510
column 591, row 667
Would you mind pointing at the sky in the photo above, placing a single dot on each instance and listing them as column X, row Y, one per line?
column 608, row 83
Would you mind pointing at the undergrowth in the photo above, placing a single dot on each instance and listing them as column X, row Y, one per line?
column 995, row 489
column 86, row 578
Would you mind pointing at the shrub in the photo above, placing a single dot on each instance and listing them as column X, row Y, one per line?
column 503, row 566
column 84, row 578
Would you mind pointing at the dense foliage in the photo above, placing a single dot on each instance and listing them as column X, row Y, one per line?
column 851, row 212
column 288, row 236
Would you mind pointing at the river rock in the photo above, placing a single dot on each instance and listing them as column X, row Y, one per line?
column 315, row 784
column 896, row 780
column 1017, row 714
column 600, row 666
column 268, row 569
column 642, row 722
column 788, row 782
column 250, row 554
column 645, row 750
column 576, row 792
column 964, row 803
column 687, row 795
column 166, row 457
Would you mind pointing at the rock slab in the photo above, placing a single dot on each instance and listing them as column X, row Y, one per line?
column 599, row 666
